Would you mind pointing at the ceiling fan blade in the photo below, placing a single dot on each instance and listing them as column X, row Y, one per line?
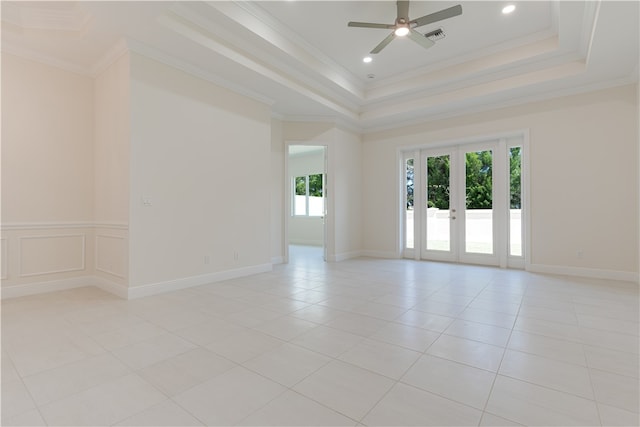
column 383, row 43
column 437, row 16
column 420, row 39
column 403, row 9
column 370, row 25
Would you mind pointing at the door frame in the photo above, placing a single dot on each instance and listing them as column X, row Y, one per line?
column 327, row 241
column 504, row 260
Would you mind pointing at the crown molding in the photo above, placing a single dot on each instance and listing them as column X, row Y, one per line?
column 160, row 56
column 32, row 55
column 110, row 56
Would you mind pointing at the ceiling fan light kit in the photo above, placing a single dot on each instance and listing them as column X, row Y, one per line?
column 405, row 27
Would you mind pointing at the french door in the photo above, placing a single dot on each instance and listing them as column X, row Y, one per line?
column 461, row 204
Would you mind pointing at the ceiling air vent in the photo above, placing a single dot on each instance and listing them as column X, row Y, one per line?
column 435, row 34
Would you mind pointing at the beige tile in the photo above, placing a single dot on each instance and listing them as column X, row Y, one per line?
column 488, row 334
column 245, row 345
column 105, row 404
column 166, row 413
column 612, row 416
column 287, row 364
column 452, row 380
column 616, row 390
column 487, row 317
column 229, row 397
column 209, row 331
column 30, row 418
column 530, row 404
column 546, row 372
column 617, row 362
column 153, row 350
column 329, row 341
column 286, row 327
column 143, row 331
column 293, row 409
column 385, row 359
column 410, row 337
column 317, row 313
column 357, row 324
column 408, row 406
column 421, row 319
column 55, row 384
column 473, row 353
column 552, row 348
column 490, row 420
column 15, row 399
column 345, row 388
column 179, row 373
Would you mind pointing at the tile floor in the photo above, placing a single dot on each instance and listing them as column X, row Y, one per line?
column 360, row 342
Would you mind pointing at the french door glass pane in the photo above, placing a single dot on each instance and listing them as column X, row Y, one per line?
column 479, row 203
column 409, row 224
column 438, row 203
column 515, row 195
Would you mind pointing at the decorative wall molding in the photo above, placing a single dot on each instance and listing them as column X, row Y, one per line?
column 188, row 282
column 593, row 273
column 81, row 267
column 97, row 254
column 44, row 287
column 62, row 225
column 4, row 254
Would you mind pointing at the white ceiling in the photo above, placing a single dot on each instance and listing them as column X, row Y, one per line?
column 301, row 58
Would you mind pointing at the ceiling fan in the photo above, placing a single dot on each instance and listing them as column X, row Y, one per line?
column 404, row 26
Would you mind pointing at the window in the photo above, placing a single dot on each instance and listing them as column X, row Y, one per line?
column 308, row 195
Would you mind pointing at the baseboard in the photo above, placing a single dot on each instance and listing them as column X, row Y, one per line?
column 111, row 287
column 594, row 273
column 188, row 282
column 44, row 287
column 380, row 254
column 343, row 256
column 305, row 242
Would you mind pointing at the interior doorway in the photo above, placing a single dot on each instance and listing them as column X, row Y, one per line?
column 306, row 177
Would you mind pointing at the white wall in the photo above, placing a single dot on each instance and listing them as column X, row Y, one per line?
column 199, row 155
column 47, row 173
column 305, row 230
column 583, row 158
column 277, row 192
column 111, row 171
column 344, row 183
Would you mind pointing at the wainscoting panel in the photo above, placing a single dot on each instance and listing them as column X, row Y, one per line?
column 4, row 255
column 48, row 254
column 110, row 254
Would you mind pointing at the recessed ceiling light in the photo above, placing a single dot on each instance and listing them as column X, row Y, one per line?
column 508, row 9
column 367, row 59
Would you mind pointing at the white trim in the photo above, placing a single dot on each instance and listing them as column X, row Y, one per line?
column 44, row 287
column 63, row 225
column 188, row 282
column 109, row 286
column 381, row 254
column 155, row 54
column 97, row 254
column 277, row 260
column 84, row 254
column 4, row 263
column 595, row 273
column 344, row 256
column 112, row 55
column 32, row 55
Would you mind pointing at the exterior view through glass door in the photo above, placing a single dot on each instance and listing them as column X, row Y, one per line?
column 463, row 203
